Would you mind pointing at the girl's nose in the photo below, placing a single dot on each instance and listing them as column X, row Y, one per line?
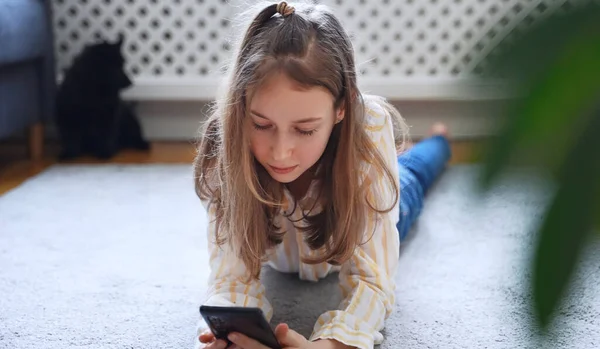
column 282, row 148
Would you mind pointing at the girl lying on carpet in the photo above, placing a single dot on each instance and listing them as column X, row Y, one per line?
column 301, row 171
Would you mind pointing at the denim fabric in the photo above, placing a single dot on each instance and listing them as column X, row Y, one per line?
column 22, row 30
column 27, row 65
column 419, row 168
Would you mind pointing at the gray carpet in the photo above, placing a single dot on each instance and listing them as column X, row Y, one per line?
column 114, row 257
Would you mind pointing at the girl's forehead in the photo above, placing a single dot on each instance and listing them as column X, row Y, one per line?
column 280, row 95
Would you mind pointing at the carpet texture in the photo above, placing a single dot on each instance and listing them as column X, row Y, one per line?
column 111, row 256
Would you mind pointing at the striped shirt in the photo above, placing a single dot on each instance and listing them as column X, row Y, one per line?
column 366, row 280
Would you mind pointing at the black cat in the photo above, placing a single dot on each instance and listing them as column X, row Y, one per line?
column 92, row 118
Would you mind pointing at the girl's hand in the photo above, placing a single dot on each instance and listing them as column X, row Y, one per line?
column 288, row 339
column 208, row 339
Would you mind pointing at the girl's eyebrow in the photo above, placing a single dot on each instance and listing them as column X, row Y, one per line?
column 301, row 121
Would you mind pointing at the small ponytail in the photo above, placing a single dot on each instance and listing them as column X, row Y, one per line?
column 253, row 29
column 259, row 21
column 284, row 9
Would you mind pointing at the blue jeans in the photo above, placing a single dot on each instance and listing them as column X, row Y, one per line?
column 419, row 168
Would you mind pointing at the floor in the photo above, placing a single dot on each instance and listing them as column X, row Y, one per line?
column 15, row 168
column 116, row 256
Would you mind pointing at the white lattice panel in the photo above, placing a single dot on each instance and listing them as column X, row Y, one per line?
column 404, row 48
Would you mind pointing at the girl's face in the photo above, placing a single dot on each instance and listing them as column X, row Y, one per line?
column 289, row 127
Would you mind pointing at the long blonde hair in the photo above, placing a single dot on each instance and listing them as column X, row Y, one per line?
column 311, row 47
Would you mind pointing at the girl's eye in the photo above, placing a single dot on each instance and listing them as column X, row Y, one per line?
column 261, row 127
column 266, row 127
column 306, row 133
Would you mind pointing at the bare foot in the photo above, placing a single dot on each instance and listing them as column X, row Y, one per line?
column 439, row 129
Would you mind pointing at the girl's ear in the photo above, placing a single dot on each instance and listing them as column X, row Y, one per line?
column 339, row 115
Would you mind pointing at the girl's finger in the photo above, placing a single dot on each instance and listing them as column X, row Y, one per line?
column 288, row 337
column 218, row 344
column 206, row 337
column 245, row 342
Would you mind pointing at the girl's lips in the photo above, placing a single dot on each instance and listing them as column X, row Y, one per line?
column 283, row 170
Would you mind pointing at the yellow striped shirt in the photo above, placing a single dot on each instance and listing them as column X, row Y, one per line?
column 366, row 280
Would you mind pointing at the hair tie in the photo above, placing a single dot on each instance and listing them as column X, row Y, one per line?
column 285, row 10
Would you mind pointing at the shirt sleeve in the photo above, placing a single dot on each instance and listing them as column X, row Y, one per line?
column 227, row 284
column 367, row 279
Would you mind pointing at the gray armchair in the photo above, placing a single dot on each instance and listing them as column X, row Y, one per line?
column 27, row 75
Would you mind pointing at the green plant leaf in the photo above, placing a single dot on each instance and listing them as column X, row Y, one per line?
column 567, row 223
column 597, row 206
column 541, row 126
column 596, row 223
column 597, row 214
column 559, row 246
column 555, row 125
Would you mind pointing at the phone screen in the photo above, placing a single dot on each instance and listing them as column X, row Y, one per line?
column 248, row 321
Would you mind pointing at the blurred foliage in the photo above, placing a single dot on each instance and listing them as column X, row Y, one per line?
column 554, row 124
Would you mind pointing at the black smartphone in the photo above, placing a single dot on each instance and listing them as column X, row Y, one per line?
column 246, row 320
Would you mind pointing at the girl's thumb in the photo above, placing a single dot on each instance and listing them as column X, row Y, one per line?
column 281, row 331
column 289, row 338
